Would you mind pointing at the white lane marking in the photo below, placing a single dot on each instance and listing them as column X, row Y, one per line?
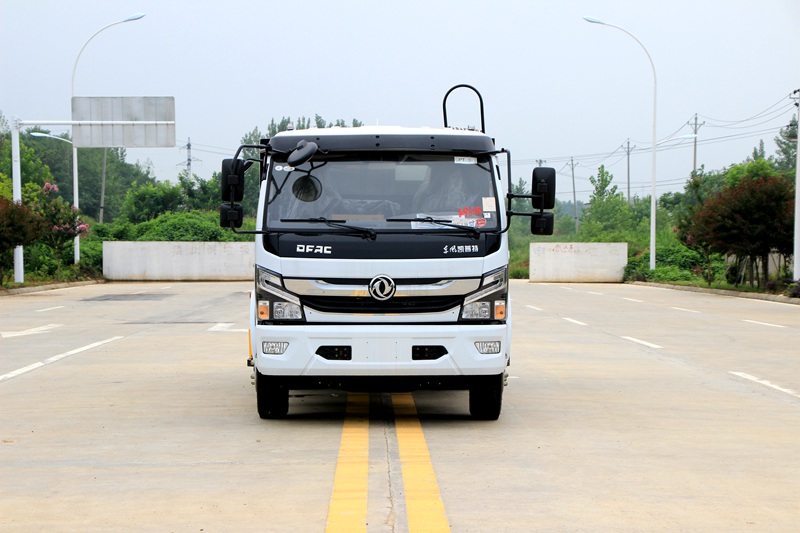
column 643, row 343
column 596, row 293
column 633, row 300
column 55, row 358
column 534, row 308
column 167, row 287
column 764, row 323
column 766, row 383
column 687, row 310
column 566, row 288
column 574, row 321
column 226, row 327
column 32, row 331
column 49, row 309
column 762, row 301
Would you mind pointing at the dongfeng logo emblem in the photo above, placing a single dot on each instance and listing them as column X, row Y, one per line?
column 382, row 288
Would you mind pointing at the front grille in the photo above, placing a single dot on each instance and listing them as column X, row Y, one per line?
column 422, row 304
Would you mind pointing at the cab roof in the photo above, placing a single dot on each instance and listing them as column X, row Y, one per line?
column 386, row 138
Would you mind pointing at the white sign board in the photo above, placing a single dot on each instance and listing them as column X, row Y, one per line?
column 123, row 121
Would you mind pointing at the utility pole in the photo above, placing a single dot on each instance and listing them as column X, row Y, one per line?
column 574, row 198
column 628, row 150
column 189, row 158
column 695, row 127
column 796, row 256
column 103, row 186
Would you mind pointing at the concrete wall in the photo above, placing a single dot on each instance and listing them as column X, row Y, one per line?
column 578, row 262
column 177, row 261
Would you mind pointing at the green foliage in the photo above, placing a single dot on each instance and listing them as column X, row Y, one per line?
column 188, row 226
column 748, row 220
column 19, row 226
column 786, row 155
column 146, row 202
column 200, row 194
column 62, row 222
column 32, row 168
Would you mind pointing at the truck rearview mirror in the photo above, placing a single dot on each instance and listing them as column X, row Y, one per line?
column 543, row 188
column 542, row 223
column 232, row 179
column 231, row 215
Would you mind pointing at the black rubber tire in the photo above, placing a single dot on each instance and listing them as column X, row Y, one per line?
column 486, row 398
column 271, row 397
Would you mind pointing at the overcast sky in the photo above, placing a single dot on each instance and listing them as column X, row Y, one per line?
column 554, row 86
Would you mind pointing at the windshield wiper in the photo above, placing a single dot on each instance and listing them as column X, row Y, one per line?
column 430, row 220
column 366, row 233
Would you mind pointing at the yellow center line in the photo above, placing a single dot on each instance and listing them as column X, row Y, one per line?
column 348, row 508
column 423, row 501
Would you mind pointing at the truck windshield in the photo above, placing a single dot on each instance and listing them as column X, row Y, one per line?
column 383, row 192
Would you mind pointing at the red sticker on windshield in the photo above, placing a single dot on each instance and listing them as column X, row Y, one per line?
column 470, row 211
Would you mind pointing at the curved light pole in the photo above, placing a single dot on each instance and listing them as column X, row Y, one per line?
column 135, row 16
column 653, row 150
column 74, row 177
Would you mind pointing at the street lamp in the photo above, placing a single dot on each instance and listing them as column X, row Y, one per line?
column 135, row 16
column 74, row 178
column 653, row 149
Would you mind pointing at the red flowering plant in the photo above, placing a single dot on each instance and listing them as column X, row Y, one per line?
column 63, row 221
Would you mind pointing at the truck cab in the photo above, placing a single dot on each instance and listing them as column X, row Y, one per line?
column 381, row 260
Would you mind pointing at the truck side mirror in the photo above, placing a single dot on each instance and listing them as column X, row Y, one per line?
column 542, row 223
column 544, row 188
column 232, row 179
column 231, row 215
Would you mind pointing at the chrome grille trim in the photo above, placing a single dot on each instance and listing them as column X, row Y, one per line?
column 445, row 287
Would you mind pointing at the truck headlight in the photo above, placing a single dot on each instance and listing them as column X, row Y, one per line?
column 273, row 301
column 476, row 310
column 489, row 301
column 286, row 311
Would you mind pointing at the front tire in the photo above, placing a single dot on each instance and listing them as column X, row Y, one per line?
column 486, row 397
column 271, row 397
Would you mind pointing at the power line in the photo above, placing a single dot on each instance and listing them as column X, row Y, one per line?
column 754, row 117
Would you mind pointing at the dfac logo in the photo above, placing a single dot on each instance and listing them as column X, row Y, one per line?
column 382, row 288
column 313, row 249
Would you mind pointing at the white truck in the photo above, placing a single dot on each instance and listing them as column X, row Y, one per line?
column 381, row 260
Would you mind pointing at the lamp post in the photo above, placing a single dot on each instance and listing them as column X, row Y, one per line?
column 135, row 16
column 653, row 149
column 796, row 252
column 74, row 180
column 74, row 177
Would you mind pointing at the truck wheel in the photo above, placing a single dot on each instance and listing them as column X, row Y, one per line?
column 272, row 398
column 486, row 398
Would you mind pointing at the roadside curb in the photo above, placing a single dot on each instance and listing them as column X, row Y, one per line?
column 49, row 287
column 722, row 292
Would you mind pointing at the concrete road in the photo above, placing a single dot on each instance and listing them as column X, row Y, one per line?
column 128, row 407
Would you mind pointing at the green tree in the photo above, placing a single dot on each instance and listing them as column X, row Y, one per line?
column 63, row 222
column 32, row 168
column 120, row 178
column 198, row 193
column 609, row 217
column 786, row 156
column 148, row 201
column 749, row 220
column 19, row 226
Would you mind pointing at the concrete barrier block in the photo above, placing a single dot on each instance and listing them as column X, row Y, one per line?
column 578, row 262
column 178, row 261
